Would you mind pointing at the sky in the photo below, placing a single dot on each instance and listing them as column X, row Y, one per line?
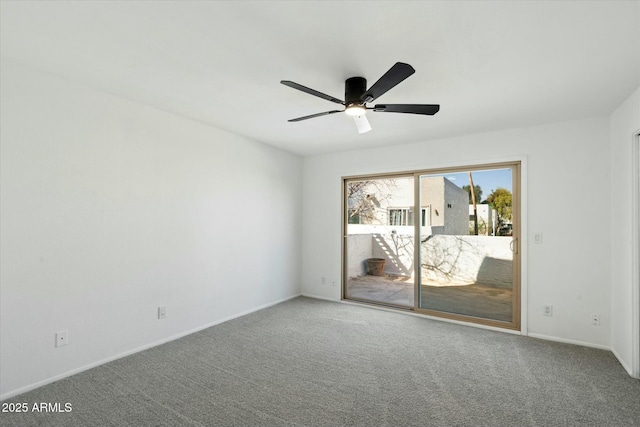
column 488, row 180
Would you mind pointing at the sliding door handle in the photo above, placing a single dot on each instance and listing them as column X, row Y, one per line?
column 514, row 245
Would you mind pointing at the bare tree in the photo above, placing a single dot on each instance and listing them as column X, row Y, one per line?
column 364, row 197
column 441, row 256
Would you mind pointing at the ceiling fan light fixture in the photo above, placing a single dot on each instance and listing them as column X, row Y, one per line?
column 355, row 110
column 362, row 124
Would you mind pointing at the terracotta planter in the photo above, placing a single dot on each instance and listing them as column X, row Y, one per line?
column 376, row 266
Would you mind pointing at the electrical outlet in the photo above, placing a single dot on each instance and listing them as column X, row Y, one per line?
column 62, row 338
column 595, row 319
column 162, row 312
column 537, row 238
column 548, row 310
column 323, row 280
column 333, row 283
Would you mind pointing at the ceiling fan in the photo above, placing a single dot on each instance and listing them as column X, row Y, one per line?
column 356, row 97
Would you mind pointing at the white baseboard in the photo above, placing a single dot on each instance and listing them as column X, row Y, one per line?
column 319, row 297
column 49, row 380
column 568, row 341
column 623, row 363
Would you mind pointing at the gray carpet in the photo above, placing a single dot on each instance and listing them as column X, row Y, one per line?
column 315, row 363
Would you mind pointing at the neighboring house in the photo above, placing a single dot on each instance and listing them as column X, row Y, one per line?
column 446, row 205
column 390, row 202
column 487, row 220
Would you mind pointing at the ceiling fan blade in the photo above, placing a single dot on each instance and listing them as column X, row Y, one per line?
column 362, row 123
column 427, row 109
column 391, row 78
column 315, row 115
column 311, row 91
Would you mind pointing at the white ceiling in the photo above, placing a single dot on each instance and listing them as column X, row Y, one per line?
column 490, row 65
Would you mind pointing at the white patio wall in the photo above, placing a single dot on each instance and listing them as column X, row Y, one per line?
column 360, row 248
column 457, row 259
column 468, row 259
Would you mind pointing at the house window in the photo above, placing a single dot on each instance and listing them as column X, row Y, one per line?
column 404, row 216
column 401, row 216
column 426, row 218
column 354, row 217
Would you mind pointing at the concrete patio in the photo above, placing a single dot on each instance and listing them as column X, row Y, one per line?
column 469, row 299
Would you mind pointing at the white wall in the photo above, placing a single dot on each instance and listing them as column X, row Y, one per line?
column 625, row 121
column 111, row 209
column 566, row 166
column 456, row 217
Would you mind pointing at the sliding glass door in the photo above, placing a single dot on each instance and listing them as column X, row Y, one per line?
column 439, row 242
column 467, row 253
column 379, row 240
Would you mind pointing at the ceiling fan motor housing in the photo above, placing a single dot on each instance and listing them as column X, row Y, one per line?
column 354, row 88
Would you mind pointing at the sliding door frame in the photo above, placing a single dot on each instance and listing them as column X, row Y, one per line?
column 345, row 221
column 517, row 207
column 635, row 250
column 516, row 298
